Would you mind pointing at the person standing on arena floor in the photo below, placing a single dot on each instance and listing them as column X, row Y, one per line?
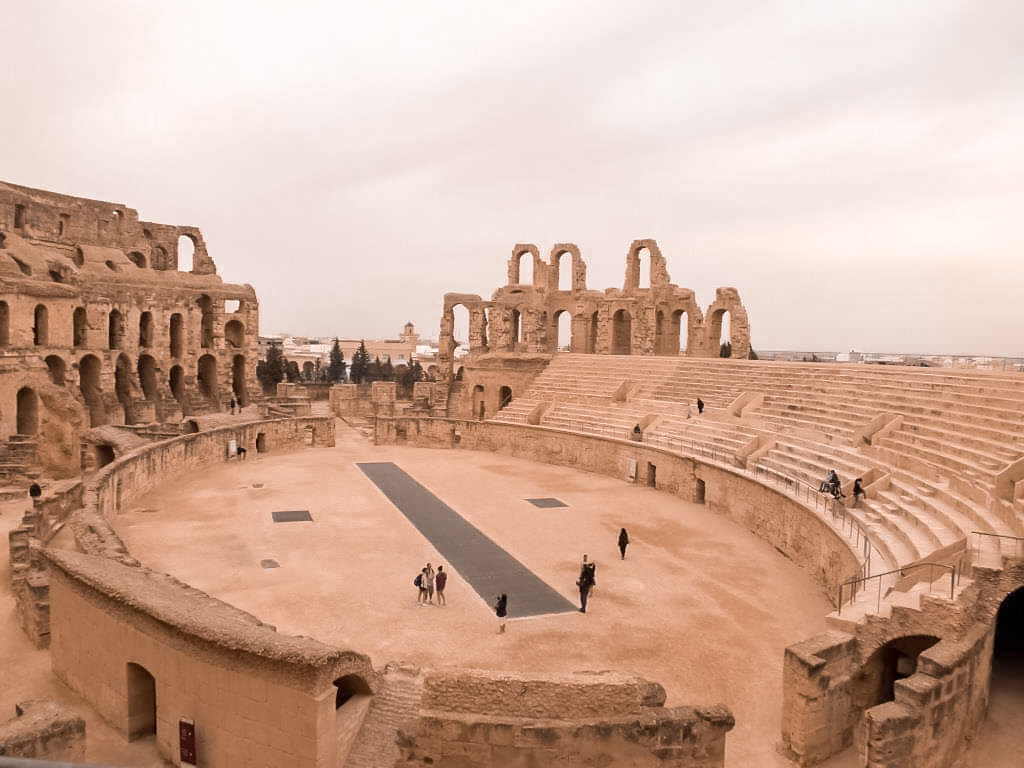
column 586, row 582
column 700, row 406
column 439, row 581
column 501, row 611
column 623, row 542
column 428, row 582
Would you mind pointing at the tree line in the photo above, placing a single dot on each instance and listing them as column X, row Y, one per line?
column 275, row 368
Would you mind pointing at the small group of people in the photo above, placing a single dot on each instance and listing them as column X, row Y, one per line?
column 430, row 583
column 235, row 404
column 832, row 485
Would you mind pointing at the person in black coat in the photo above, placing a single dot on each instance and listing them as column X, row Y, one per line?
column 623, row 542
column 501, row 610
column 586, row 582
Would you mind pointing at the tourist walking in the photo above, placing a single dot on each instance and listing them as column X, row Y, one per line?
column 439, row 581
column 858, row 491
column 501, row 611
column 700, row 406
column 421, row 584
column 428, row 582
column 586, row 582
column 623, row 542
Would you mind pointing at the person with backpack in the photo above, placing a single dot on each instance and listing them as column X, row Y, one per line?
column 421, row 583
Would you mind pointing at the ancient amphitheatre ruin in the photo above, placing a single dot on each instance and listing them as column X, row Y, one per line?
column 152, row 580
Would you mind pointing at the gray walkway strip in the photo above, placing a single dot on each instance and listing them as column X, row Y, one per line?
column 488, row 568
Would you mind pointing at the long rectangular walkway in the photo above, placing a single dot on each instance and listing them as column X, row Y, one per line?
column 484, row 565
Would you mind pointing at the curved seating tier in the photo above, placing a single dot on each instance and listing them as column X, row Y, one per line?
column 930, row 443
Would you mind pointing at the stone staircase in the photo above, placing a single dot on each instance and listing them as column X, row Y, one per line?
column 394, row 711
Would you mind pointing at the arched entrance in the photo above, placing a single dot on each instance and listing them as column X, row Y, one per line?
column 176, row 381
column 207, row 377
column 479, row 409
column 238, row 380
column 141, row 702
column 123, row 387
column 504, row 397
column 874, row 684
column 28, row 411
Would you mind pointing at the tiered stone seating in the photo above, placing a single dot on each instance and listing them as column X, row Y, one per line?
column 945, row 436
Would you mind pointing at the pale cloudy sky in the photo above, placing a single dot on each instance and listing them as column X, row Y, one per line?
column 854, row 168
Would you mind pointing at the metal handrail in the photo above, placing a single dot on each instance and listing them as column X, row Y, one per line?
column 1000, row 539
column 854, row 583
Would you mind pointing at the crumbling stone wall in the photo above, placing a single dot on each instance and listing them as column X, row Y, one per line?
column 43, row 730
column 605, row 718
column 644, row 317
column 98, row 327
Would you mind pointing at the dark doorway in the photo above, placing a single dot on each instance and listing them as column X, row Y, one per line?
column 141, row 703
column 652, row 475
column 698, row 496
column 895, row 660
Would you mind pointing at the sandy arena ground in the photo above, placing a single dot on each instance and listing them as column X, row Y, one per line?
column 699, row 605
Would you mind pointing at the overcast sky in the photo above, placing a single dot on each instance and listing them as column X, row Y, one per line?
column 855, row 169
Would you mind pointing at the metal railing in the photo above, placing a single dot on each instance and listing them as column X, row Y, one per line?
column 1002, row 544
column 858, row 585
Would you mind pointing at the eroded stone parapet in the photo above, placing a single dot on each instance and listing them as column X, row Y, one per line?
column 44, row 730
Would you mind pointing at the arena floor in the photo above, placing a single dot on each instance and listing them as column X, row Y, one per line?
column 698, row 605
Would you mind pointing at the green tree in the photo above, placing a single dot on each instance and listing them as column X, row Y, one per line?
column 292, row 372
column 374, row 370
column 360, row 364
column 408, row 377
column 270, row 371
column 387, row 370
column 336, row 369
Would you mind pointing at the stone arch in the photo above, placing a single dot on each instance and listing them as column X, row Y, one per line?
column 655, row 276
column 894, row 660
column 1008, row 648
column 186, row 253
column 561, row 331
column 234, row 333
column 349, row 686
column 123, row 387
column 141, row 689
column 177, row 334
column 5, row 324
column 504, row 397
column 79, row 327
column 238, row 380
column 115, row 329
column 89, row 371
column 576, row 279
column 308, row 371
column 57, row 369
column 206, row 377
column 41, row 326
column 727, row 300
column 515, row 263
column 622, row 335
column 137, row 258
column 146, row 329
column 147, row 377
column 28, row 411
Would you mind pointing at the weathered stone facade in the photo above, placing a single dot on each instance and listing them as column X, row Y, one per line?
column 98, row 327
column 512, row 335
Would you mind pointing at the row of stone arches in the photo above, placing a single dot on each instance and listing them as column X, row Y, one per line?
column 484, row 404
column 117, row 329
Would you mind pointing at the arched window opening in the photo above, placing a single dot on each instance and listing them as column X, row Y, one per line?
column 238, row 380
column 525, row 268
column 622, row 333
column 5, row 324
column 644, row 256
column 138, row 259
column 41, row 328
column 79, row 257
column 348, row 687
column 146, row 329
column 479, row 408
column 123, row 388
column 147, row 377
column 680, row 330
column 89, row 384
column 720, row 333
column 186, row 253
column 141, row 702
column 28, row 411
column 517, row 329
column 206, row 327
column 460, row 331
column 207, row 377
column 504, row 397
column 232, row 305
column 56, row 367
column 234, row 334
column 79, row 326
column 564, row 262
column 563, row 331
column 19, row 216
column 177, row 334
column 115, row 330
column 875, row 682
column 159, row 259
